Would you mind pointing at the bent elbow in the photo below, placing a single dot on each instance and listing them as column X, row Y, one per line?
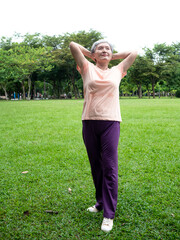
column 71, row 44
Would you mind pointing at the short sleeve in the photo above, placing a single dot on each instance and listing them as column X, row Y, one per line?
column 120, row 67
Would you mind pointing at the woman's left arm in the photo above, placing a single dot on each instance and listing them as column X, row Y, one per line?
column 129, row 58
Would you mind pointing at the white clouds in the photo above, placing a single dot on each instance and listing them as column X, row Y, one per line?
column 128, row 24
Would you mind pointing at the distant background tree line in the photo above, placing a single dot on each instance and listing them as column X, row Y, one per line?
column 41, row 66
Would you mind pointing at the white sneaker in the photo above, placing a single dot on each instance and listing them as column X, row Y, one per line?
column 107, row 224
column 93, row 209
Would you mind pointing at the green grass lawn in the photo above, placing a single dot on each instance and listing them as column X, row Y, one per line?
column 45, row 139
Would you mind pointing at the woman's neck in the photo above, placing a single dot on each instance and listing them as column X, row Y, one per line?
column 103, row 66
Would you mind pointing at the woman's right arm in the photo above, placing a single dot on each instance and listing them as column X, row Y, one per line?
column 79, row 52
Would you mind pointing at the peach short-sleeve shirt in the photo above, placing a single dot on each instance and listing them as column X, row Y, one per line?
column 101, row 92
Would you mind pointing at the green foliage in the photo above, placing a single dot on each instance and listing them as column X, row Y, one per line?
column 178, row 93
column 6, row 43
column 136, row 73
column 6, row 70
column 49, row 58
column 45, row 139
column 163, row 66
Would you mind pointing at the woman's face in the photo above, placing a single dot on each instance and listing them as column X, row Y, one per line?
column 103, row 52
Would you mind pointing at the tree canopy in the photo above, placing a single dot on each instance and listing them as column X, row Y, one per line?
column 41, row 64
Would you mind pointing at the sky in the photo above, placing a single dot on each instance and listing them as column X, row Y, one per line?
column 127, row 24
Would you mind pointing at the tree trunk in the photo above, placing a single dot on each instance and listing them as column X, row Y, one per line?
column 29, row 87
column 171, row 94
column 54, row 89
column 159, row 94
column 34, row 95
column 77, row 91
column 23, row 88
column 73, row 84
column 44, row 89
column 139, row 91
column 74, row 87
column 153, row 89
column 6, row 95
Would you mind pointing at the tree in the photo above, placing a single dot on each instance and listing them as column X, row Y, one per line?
column 127, row 87
column 152, row 70
column 162, row 65
column 52, row 41
column 57, row 75
column 46, row 62
column 6, row 43
column 28, row 60
column 6, row 70
column 136, row 73
column 32, row 40
column 171, row 68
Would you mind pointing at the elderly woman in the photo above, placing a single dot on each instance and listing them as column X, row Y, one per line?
column 101, row 120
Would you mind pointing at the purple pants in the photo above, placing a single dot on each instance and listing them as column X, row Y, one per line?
column 101, row 140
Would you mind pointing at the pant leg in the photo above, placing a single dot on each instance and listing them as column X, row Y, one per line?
column 92, row 143
column 109, row 154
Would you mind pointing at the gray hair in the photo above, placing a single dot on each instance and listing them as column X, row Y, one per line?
column 93, row 48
